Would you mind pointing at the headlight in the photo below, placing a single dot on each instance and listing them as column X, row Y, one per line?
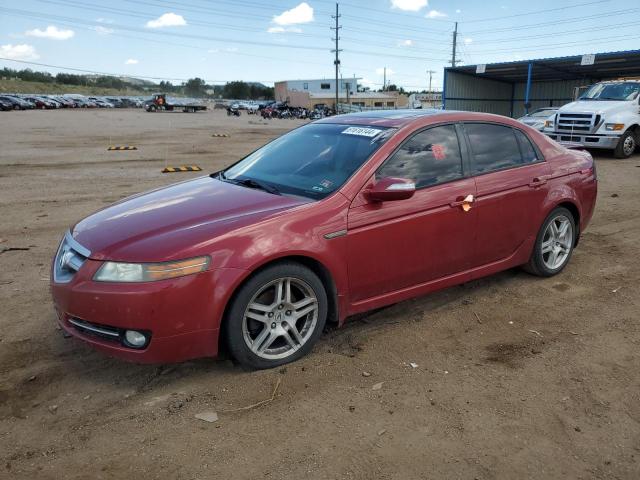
column 614, row 126
column 548, row 123
column 149, row 272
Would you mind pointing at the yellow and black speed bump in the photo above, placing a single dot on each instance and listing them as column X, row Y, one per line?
column 188, row 168
column 220, row 135
column 122, row 147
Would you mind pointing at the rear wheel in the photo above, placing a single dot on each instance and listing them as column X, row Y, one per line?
column 554, row 244
column 626, row 145
column 276, row 317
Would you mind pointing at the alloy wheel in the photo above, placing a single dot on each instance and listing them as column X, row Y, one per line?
column 280, row 318
column 557, row 242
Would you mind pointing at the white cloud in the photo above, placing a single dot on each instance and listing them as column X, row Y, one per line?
column 100, row 30
column 284, row 30
column 366, row 83
column 303, row 13
column 405, row 43
column 167, row 20
column 380, row 72
column 435, row 14
column 131, row 61
column 104, row 20
column 458, row 10
column 409, row 5
column 231, row 49
column 18, row 52
column 468, row 41
column 52, row 32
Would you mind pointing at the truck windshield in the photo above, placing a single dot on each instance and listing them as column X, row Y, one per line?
column 312, row 161
column 612, row 91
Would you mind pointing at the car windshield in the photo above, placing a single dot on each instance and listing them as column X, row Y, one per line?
column 542, row 113
column 311, row 161
column 612, row 91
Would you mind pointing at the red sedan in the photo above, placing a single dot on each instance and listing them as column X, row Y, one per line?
column 343, row 215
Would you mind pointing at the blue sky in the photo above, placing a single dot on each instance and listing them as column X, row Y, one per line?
column 274, row 40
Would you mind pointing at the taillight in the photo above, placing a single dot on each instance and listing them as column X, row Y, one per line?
column 591, row 170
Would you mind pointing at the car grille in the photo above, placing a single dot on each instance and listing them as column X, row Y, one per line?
column 578, row 122
column 69, row 258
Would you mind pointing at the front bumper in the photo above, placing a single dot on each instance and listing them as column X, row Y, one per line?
column 587, row 140
column 182, row 316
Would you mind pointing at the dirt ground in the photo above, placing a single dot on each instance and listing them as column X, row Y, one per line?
column 517, row 377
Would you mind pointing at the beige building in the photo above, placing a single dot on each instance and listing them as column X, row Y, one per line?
column 296, row 95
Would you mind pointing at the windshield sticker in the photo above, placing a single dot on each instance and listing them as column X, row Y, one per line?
column 326, row 183
column 438, row 151
column 362, row 131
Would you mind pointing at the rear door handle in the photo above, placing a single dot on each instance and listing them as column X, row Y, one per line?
column 538, row 182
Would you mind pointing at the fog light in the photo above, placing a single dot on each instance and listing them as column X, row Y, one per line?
column 135, row 339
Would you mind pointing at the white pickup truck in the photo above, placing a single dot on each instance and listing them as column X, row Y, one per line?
column 607, row 115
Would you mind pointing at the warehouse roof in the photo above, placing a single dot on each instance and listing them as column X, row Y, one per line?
column 605, row 66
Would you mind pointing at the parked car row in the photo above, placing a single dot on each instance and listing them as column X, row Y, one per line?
column 49, row 102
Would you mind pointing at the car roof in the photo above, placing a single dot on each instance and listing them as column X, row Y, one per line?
column 402, row 117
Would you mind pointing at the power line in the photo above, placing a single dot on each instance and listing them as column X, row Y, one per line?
column 564, row 32
column 527, row 14
column 627, row 11
column 145, row 77
column 29, row 14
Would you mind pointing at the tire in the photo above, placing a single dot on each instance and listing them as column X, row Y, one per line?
column 553, row 249
column 261, row 336
column 626, row 145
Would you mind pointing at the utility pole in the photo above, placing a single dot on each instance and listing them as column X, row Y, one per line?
column 384, row 80
column 430, row 72
column 337, row 51
column 455, row 40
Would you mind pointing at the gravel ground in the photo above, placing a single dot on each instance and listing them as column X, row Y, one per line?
column 516, row 376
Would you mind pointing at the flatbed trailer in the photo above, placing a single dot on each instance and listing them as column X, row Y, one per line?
column 160, row 103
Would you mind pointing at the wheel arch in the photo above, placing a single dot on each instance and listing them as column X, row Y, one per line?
column 575, row 212
column 313, row 264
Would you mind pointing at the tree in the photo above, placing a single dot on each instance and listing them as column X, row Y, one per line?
column 195, row 87
column 237, row 90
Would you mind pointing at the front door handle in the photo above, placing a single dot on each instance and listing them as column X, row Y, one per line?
column 465, row 203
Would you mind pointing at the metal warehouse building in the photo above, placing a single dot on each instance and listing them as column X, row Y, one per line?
column 513, row 88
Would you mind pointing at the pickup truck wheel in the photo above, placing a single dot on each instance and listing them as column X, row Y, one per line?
column 626, row 145
column 276, row 316
column 554, row 244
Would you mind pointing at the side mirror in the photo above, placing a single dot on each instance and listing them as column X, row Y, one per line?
column 389, row 189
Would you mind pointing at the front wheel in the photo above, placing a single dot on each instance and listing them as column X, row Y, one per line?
column 626, row 145
column 276, row 317
column 554, row 244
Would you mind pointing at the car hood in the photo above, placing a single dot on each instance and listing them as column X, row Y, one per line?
column 177, row 221
column 593, row 106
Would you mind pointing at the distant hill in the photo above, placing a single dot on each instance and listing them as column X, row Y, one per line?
column 21, row 86
column 130, row 80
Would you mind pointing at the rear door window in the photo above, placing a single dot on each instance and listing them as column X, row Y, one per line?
column 493, row 147
column 428, row 158
column 529, row 154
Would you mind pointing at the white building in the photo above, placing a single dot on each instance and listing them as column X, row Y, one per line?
column 322, row 86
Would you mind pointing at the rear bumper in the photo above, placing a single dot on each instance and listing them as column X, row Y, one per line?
column 587, row 140
column 181, row 315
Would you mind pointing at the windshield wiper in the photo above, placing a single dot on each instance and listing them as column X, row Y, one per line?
column 251, row 183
